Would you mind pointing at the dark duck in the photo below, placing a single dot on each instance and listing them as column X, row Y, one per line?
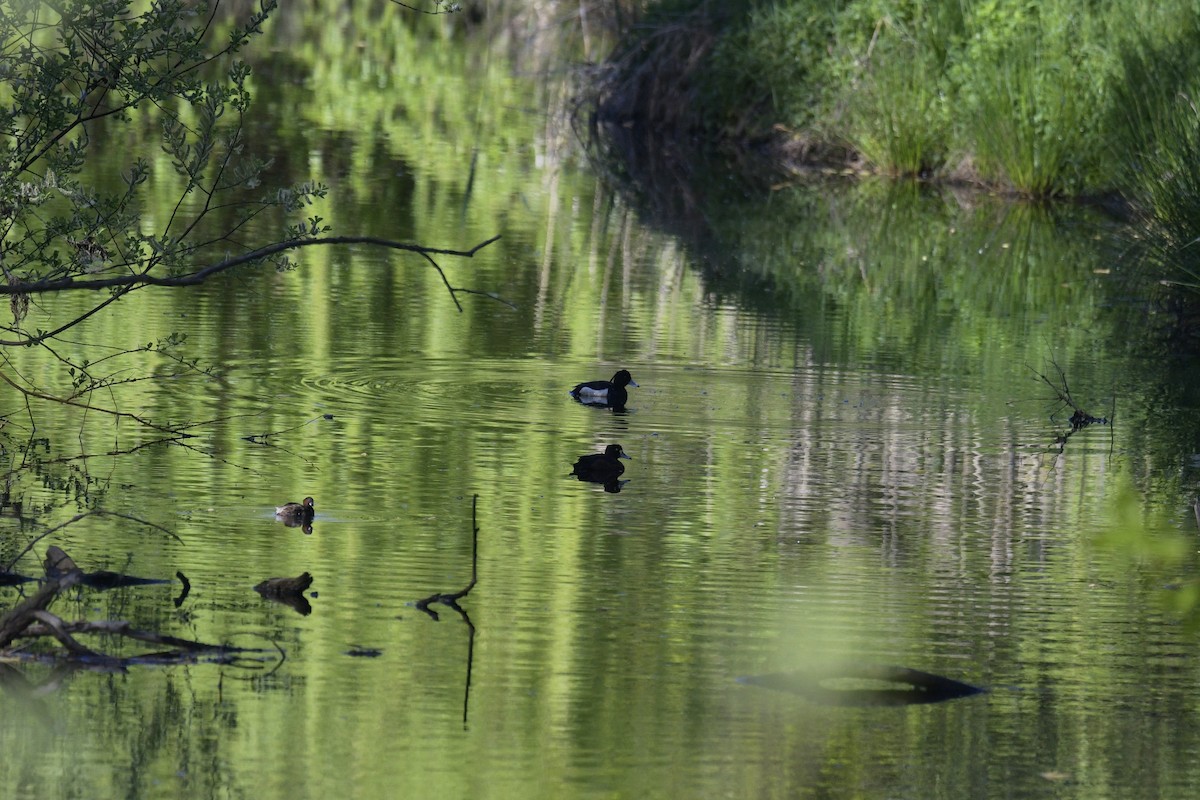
column 295, row 514
column 608, row 394
column 603, row 467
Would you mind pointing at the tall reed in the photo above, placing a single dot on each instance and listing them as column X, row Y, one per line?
column 897, row 116
column 1156, row 139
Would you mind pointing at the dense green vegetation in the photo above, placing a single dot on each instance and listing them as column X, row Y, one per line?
column 1048, row 99
column 1044, row 98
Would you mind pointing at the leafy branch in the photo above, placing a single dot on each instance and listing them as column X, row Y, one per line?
column 100, row 59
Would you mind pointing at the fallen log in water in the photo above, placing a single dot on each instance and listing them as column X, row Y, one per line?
column 31, row 619
column 58, row 563
column 14, row 623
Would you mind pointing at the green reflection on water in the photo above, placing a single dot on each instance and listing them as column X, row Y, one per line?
column 839, row 456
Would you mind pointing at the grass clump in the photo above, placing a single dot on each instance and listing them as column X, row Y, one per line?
column 897, row 116
column 1156, row 140
column 1031, row 87
column 1041, row 98
column 1015, row 89
column 890, row 97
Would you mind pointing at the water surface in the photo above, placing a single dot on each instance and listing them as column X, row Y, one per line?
column 841, row 456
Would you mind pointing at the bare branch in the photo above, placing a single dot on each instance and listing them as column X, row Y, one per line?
column 55, row 627
column 201, row 275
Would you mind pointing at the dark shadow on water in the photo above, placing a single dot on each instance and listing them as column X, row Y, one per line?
column 866, row 686
column 288, row 592
column 612, row 487
column 305, row 527
column 358, row 651
column 185, row 591
column 615, row 409
column 58, row 563
column 297, row 602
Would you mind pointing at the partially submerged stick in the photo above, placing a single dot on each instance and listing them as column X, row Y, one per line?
column 31, row 619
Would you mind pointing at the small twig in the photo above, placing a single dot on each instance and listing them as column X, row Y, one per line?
column 8, row 567
column 147, row 523
column 176, row 440
column 257, row 437
column 261, row 438
column 1063, row 393
column 490, row 296
column 450, row 599
column 1062, row 390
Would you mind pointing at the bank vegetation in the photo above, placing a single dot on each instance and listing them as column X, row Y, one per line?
column 1047, row 100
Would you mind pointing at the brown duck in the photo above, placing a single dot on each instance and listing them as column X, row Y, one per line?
column 296, row 513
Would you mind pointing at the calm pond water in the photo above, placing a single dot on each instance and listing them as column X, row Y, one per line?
column 841, row 459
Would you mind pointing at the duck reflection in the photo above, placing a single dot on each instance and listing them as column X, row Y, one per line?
column 604, row 468
column 305, row 527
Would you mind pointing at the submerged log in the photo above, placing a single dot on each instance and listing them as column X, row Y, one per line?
column 14, row 623
column 867, row 686
column 288, row 592
column 279, row 586
column 104, row 579
column 58, row 562
column 57, row 628
column 30, row 619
